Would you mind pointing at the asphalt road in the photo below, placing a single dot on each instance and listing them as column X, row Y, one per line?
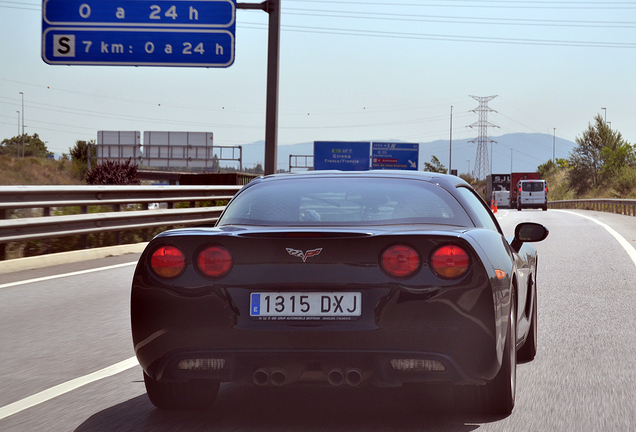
column 56, row 333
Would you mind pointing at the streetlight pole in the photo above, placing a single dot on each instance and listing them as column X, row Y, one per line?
column 511, row 164
column 554, row 145
column 22, row 123
column 18, row 146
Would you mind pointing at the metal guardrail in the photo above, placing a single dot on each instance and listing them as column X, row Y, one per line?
column 620, row 206
column 51, row 198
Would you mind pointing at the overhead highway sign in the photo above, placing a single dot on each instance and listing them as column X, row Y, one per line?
column 139, row 32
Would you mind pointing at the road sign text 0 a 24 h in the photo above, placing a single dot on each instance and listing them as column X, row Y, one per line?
column 139, row 32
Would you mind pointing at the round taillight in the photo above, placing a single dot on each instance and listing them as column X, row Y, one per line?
column 400, row 261
column 168, row 261
column 450, row 261
column 215, row 261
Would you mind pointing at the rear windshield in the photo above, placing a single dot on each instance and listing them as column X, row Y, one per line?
column 532, row 186
column 344, row 201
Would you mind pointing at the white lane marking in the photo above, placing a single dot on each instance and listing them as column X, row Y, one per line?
column 66, row 387
column 46, row 278
column 621, row 240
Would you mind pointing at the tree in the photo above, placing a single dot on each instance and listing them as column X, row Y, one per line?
column 435, row 166
column 79, row 156
column 80, row 151
column 599, row 155
column 33, row 146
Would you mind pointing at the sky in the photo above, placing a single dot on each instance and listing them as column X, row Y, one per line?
column 350, row 70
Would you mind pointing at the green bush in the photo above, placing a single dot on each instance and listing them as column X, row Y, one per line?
column 625, row 181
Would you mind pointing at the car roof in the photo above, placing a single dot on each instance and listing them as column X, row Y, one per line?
column 444, row 180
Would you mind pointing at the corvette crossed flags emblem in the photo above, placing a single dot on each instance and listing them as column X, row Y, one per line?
column 304, row 255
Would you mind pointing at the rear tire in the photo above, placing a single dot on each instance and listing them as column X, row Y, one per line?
column 497, row 397
column 501, row 391
column 196, row 394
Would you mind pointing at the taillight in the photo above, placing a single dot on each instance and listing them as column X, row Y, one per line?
column 168, row 261
column 400, row 261
column 215, row 261
column 450, row 261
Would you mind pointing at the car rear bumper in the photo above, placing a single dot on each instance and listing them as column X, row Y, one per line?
column 454, row 328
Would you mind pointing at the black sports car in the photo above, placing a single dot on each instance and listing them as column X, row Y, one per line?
column 341, row 279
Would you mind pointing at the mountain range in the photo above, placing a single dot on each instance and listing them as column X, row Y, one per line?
column 523, row 151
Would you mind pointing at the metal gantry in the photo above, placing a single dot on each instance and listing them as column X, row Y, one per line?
column 482, row 166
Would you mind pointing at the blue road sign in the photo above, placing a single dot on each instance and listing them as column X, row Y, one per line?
column 137, row 47
column 342, row 156
column 187, row 33
column 140, row 13
column 400, row 156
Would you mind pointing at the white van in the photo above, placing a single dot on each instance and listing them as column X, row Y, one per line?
column 532, row 194
column 502, row 198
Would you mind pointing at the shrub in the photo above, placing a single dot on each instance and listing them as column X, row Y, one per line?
column 625, row 181
column 113, row 173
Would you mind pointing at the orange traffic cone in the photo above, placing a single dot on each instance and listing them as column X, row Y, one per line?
column 495, row 210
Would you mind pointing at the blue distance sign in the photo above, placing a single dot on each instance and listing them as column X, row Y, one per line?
column 140, row 13
column 400, row 156
column 137, row 47
column 342, row 156
column 188, row 33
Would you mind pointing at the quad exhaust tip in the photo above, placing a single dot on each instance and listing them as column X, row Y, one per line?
column 279, row 377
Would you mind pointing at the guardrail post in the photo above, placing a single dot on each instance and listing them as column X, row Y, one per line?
column 116, row 208
column 3, row 246
column 84, row 237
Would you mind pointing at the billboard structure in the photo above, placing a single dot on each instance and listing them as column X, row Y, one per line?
column 178, row 149
column 118, row 146
column 164, row 149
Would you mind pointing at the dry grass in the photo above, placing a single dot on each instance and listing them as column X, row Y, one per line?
column 37, row 171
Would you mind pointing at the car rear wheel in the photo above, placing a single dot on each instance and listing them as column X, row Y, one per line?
column 497, row 397
column 500, row 392
column 181, row 395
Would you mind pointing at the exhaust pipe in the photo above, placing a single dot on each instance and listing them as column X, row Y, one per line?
column 278, row 377
column 353, row 377
column 336, row 377
column 261, row 377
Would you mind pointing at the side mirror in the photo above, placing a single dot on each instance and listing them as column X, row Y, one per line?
column 528, row 232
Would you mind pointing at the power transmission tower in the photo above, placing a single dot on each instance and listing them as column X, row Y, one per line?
column 482, row 166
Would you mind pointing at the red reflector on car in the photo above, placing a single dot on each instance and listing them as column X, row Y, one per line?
column 167, row 261
column 215, row 261
column 400, row 261
column 450, row 261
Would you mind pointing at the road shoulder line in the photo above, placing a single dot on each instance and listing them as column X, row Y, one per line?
column 621, row 240
column 60, row 389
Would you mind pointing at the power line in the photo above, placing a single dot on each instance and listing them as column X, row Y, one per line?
column 383, row 16
column 500, row 4
column 447, row 38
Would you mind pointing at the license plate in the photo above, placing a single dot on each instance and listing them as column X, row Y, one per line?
column 306, row 305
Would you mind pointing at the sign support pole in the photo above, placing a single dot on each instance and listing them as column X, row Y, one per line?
column 272, row 7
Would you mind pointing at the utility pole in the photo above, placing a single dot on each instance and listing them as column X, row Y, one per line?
column 482, row 167
column 272, row 7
